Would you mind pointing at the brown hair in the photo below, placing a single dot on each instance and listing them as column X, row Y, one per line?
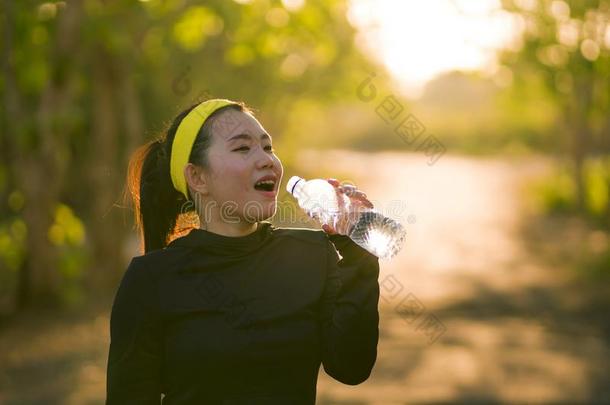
column 157, row 204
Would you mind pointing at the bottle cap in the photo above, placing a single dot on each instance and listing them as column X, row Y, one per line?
column 292, row 182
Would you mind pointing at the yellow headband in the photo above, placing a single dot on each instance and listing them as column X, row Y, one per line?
column 185, row 137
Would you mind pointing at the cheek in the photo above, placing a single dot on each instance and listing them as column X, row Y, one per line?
column 232, row 180
column 278, row 163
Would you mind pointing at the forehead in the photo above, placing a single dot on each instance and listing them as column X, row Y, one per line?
column 230, row 123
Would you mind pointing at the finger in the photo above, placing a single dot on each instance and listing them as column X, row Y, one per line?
column 367, row 203
column 328, row 229
column 334, row 182
column 357, row 193
column 364, row 203
column 348, row 189
column 361, row 198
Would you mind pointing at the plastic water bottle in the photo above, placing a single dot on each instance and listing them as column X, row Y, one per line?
column 374, row 232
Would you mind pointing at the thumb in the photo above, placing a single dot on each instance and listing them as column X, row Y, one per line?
column 326, row 228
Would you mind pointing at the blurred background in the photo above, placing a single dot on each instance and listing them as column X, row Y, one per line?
column 483, row 126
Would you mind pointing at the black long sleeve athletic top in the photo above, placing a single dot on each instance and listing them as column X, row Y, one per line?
column 213, row 319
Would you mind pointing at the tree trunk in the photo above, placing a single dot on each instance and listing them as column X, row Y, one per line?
column 578, row 162
column 36, row 173
column 40, row 172
column 40, row 276
column 580, row 135
column 134, row 133
column 104, row 219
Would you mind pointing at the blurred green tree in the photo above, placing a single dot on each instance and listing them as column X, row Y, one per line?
column 566, row 46
column 86, row 81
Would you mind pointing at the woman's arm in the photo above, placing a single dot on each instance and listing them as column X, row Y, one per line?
column 349, row 315
column 134, row 359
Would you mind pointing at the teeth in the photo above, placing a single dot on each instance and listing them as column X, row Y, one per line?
column 265, row 185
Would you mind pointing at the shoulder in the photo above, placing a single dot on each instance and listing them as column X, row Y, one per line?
column 156, row 262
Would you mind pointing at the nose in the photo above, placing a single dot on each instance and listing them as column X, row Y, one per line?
column 264, row 159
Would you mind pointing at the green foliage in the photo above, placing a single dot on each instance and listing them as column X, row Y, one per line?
column 12, row 242
column 68, row 234
column 597, row 177
column 564, row 46
column 13, row 232
column 67, row 230
column 86, row 82
column 556, row 193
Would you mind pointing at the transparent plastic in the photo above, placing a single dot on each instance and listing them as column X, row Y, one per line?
column 378, row 234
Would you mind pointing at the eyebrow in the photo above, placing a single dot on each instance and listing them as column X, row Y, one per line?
column 248, row 137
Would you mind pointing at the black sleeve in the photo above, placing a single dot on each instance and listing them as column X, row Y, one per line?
column 134, row 359
column 349, row 313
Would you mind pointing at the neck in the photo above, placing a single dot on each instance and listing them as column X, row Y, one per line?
column 230, row 229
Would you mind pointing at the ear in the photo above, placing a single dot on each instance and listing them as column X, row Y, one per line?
column 196, row 179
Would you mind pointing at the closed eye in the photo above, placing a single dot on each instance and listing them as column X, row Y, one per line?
column 268, row 148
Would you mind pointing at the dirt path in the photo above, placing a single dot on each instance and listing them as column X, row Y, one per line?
column 469, row 312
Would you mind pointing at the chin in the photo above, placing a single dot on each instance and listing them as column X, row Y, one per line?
column 258, row 212
column 267, row 215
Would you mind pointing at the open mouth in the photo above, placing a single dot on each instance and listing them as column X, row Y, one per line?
column 265, row 185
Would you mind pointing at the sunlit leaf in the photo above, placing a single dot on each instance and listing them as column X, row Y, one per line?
column 240, row 55
column 195, row 26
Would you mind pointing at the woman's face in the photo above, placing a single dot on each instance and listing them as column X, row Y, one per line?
column 240, row 155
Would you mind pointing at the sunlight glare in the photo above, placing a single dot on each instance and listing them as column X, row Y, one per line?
column 379, row 242
column 419, row 40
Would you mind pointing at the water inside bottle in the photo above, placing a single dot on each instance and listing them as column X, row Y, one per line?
column 378, row 234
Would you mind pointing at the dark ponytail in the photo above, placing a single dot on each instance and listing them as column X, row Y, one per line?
column 158, row 206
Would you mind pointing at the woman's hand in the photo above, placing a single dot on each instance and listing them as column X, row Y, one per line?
column 357, row 199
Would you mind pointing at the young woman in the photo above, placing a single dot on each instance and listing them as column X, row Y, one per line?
column 237, row 311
